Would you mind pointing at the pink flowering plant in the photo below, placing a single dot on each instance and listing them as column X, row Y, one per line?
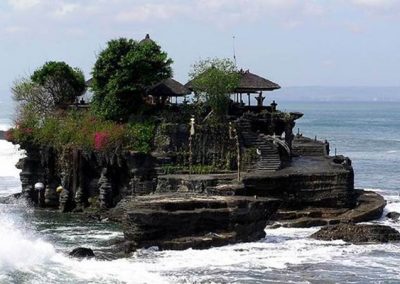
column 83, row 130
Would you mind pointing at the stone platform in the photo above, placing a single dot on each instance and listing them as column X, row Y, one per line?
column 308, row 181
column 314, row 191
column 369, row 206
column 181, row 221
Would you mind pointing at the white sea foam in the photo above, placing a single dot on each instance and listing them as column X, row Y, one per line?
column 22, row 251
column 9, row 156
column 18, row 250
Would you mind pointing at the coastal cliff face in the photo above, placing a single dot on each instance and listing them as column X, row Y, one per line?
column 99, row 180
column 89, row 179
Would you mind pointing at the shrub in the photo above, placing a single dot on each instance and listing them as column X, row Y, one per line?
column 213, row 81
column 85, row 131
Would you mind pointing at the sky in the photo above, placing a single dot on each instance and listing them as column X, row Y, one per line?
column 291, row 42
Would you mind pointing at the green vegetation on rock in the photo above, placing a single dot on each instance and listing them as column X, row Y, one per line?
column 82, row 130
column 53, row 86
column 213, row 80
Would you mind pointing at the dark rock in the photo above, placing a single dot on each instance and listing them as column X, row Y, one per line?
column 358, row 233
column 2, row 135
column 82, row 253
column 10, row 199
column 369, row 207
column 51, row 197
column 395, row 216
column 193, row 221
column 105, row 189
column 309, row 181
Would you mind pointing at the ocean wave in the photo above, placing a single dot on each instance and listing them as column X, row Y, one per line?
column 9, row 156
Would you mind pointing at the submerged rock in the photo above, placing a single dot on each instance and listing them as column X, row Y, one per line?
column 357, row 234
column 82, row 253
column 10, row 199
column 395, row 216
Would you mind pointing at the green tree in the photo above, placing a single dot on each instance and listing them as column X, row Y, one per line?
column 55, row 85
column 60, row 82
column 213, row 80
column 122, row 74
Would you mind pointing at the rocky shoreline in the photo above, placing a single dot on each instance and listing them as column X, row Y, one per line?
column 180, row 210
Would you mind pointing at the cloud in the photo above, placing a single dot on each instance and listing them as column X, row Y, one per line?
column 150, row 12
column 355, row 28
column 14, row 29
column 382, row 7
column 222, row 13
column 23, row 4
column 65, row 8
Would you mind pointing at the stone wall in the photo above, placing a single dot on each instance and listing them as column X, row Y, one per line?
column 210, row 145
column 88, row 179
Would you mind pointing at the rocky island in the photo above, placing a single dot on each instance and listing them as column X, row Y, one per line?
column 176, row 173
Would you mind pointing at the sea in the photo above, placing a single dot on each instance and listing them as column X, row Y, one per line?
column 34, row 244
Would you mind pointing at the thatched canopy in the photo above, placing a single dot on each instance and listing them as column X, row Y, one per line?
column 249, row 83
column 147, row 39
column 169, row 88
column 252, row 83
column 89, row 82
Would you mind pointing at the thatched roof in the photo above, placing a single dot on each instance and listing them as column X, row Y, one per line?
column 169, row 88
column 147, row 39
column 250, row 83
column 89, row 82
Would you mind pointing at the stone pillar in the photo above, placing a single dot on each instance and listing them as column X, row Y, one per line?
column 105, row 188
column 51, row 198
column 31, row 172
column 66, row 203
column 79, row 191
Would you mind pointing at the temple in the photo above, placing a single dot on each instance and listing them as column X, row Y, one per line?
column 205, row 182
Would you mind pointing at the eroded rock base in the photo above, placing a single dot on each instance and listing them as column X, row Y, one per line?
column 172, row 221
column 369, row 206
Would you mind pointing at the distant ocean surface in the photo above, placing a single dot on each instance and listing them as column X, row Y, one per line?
column 33, row 245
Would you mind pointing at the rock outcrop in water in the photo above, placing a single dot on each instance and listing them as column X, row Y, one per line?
column 358, row 234
column 181, row 221
column 242, row 172
column 82, row 253
column 395, row 216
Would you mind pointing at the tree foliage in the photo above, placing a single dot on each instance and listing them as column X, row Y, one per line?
column 213, row 80
column 60, row 82
column 54, row 85
column 123, row 72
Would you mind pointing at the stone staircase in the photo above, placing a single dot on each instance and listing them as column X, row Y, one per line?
column 269, row 159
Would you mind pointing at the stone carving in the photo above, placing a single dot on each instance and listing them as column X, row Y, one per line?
column 105, row 189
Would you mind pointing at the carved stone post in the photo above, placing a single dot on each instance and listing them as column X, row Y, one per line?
column 192, row 131
column 65, row 194
column 105, row 189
